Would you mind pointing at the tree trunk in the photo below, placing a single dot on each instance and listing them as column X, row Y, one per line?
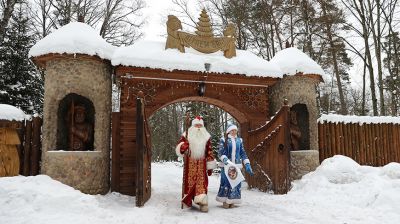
column 7, row 13
column 363, row 90
column 343, row 106
column 376, row 34
column 368, row 57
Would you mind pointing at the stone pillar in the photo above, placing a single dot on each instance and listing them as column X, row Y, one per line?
column 303, row 162
column 298, row 90
column 90, row 77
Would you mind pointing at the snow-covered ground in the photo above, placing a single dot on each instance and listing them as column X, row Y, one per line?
column 339, row 191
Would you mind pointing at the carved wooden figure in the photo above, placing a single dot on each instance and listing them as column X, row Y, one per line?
column 173, row 41
column 9, row 158
column 295, row 133
column 80, row 130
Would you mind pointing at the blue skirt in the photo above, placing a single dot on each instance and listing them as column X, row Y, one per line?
column 226, row 193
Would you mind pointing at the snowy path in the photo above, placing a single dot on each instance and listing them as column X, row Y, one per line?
column 340, row 191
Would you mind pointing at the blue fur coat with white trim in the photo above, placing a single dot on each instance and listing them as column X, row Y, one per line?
column 240, row 155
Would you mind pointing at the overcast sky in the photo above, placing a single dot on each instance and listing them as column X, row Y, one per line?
column 156, row 13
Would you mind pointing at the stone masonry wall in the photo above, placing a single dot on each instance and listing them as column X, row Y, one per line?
column 303, row 162
column 85, row 171
column 297, row 89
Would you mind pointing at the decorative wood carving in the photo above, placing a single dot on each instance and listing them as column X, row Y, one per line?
column 148, row 89
column 253, row 98
column 204, row 40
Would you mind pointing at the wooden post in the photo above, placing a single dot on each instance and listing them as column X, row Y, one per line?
column 363, row 148
column 371, row 137
column 357, row 141
column 343, row 137
column 333, row 136
column 139, row 148
column 27, row 148
column 321, row 141
column 35, row 158
column 115, row 174
column 395, row 136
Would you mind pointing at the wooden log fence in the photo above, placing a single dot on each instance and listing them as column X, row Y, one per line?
column 29, row 150
column 368, row 144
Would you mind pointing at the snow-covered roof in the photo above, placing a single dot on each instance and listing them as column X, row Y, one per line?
column 73, row 38
column 292, row 61
column 10, row 113
column 152, row 54
column 80, row 38
column 352, row 119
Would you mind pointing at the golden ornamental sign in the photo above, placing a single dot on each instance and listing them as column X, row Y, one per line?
column 204, row 40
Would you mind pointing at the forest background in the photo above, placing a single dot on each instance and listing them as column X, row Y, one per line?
column 338, row 34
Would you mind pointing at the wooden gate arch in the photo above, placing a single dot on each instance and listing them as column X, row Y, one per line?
column 145, row 90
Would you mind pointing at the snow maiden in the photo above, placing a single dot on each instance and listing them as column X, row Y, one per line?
column 231, row 150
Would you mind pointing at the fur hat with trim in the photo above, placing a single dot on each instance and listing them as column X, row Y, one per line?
column 231, row 127
column 198, row 120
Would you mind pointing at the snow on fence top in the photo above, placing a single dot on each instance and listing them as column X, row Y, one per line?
column 347, row 119
column 10, row 113
column 73, row 38
column 292, row 61
column 153, row 55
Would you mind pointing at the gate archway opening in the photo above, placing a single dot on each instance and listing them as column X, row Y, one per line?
column 168, row 123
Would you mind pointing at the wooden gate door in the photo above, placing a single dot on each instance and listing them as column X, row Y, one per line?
column 143, row 155
column 269, row 154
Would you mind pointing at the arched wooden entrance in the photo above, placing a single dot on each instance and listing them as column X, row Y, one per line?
column 245, row 98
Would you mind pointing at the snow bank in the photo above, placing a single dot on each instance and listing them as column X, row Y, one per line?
column 10, row 113
column 73, row 38
column 339, row 191
column 341, row 181
column 292, row 61
column 352, row 119
column 152, row 54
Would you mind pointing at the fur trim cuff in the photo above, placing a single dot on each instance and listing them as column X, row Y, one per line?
column 211, row 165
column 201, row 199
column 222, row 157
column 229, row 201
column 178, row 149
column 234, row 201
column 246, row 161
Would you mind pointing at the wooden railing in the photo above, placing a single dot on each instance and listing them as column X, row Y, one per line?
column 367, row 144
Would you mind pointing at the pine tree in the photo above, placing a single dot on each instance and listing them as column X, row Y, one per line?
column 21, row 84
column 204, row 26
column 335, row 57
column 391, row 63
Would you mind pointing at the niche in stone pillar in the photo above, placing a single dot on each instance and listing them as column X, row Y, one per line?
column 300, row 127
column 75, row 123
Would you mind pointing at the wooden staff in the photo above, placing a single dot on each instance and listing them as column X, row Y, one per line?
column 187, row 122
column 71, row 137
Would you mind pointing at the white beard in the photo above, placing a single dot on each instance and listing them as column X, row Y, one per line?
column 197, row 138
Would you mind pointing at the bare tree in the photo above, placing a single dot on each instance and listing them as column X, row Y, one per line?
column 120, row 22
column 375, row 27
column 40, row 13
column 359, row 10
